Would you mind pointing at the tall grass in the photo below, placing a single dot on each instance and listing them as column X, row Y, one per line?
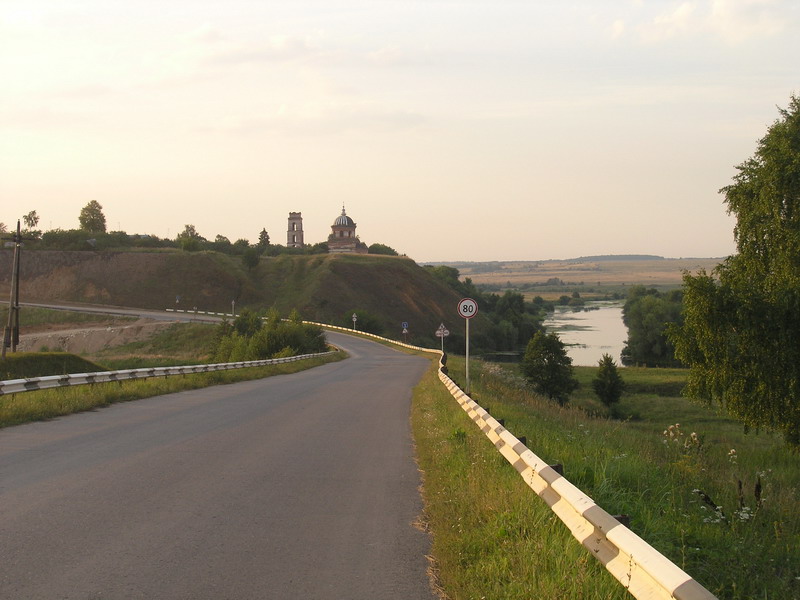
column 492, row 538
column 180, row 343
column 748, row 549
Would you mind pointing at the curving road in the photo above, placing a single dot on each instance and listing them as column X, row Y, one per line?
column 296, row 486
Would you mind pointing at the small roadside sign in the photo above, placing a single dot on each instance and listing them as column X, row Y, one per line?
column 467, row 308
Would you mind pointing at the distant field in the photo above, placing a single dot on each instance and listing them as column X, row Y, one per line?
column 652, row 272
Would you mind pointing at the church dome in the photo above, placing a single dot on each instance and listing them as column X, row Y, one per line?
column 343, row 220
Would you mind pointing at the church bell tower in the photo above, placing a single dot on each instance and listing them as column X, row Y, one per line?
column 294, row 236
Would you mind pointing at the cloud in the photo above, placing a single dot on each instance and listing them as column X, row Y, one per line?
column 733, row 21
column 742, row 20
column 677, row 21
column 316, row 120
column 274, row 49
column 617, row 29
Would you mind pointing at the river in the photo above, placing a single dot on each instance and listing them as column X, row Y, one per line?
column 590, row 333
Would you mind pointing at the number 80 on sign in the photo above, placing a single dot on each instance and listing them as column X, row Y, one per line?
column 467, row 308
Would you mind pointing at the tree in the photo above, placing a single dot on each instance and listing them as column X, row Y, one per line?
column 608, row 383
column 92, row 218
column 548, row 368
column 247, row 323
column 189, row 239
column 647, row 314
column 250, row 258
column 742, row 323
column 382, row 249
column 263, row 241
column 31, row 220
column 365, row 321
column 222, row 244
column 240, row 246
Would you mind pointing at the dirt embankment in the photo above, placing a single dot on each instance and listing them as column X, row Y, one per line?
column 88, row 339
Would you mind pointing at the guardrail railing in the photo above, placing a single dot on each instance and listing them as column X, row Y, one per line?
column 16, row 386
column 640, row 568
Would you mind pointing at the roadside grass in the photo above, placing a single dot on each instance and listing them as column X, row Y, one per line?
column 31, row 316
column 16, row 409
column 20, row 365
column 749, row 548
column 492, row 538
column 179, row 344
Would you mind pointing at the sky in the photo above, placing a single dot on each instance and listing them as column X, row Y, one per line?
column 473, row 130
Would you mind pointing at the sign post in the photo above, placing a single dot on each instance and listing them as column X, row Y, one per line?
column 355, row 318
column 442, row 333
column 467, row 308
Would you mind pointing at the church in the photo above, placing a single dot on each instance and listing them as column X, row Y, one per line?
column 343, row 236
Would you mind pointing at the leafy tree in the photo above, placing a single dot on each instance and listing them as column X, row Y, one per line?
column 548, row 368
column 608, row 383
column 647, row 314
column 240, row 246
column 742, row 323
column 247, row 323
column 222, row 244
column 318, row 248
column 268, row 338
column 366, row 321
column 92, row 218
column 31, row 220
column 382, row 249
column 189, row 239
column 250, row 258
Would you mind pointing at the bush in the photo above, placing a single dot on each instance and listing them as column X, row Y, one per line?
column 272, row 338
column 608, row 384
column 548, row 368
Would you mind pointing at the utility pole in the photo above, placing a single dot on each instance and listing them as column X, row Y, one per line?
column 11, row 332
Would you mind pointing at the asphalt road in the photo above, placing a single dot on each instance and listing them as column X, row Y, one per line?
column 296, row 486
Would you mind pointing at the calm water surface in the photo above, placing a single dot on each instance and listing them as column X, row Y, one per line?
column 590, row 334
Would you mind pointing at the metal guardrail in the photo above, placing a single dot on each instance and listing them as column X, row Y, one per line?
column 16, row 386
column 200, row 312
column 641, row 569
column 645, row 572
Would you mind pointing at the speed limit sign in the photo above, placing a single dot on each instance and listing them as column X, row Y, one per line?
column 467, row 308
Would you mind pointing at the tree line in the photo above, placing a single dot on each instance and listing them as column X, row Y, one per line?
column 92, row 234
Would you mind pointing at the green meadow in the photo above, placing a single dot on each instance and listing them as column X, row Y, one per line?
column 719, row 503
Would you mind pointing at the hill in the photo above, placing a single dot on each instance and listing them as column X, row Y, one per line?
column 325, row 288
column 598, row 271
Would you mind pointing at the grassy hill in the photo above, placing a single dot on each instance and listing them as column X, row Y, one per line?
column 326, row 288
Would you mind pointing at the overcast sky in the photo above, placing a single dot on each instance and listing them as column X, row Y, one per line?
column 471, row 130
